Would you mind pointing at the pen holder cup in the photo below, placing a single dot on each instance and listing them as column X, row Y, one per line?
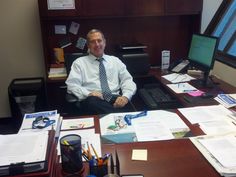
column 98, row 171
column 71, row 154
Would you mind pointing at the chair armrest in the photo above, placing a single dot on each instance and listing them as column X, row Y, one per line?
column 71, row 98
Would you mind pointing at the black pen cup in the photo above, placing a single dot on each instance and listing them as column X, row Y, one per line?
column 71, row 154
column 98, row 170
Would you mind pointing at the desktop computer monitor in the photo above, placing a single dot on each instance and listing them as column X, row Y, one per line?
column 202, row 55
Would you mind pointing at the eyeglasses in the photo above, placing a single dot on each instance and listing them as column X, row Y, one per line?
column 42, row 122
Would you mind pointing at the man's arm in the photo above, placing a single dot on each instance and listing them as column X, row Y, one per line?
column 127, row 85
column 74, row 83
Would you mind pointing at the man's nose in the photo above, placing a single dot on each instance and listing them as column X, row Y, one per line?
column 96, row 42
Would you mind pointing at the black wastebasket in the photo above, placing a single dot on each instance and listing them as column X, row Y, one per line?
column 26, row 95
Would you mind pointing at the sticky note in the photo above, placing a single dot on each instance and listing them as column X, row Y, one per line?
column 139, row 154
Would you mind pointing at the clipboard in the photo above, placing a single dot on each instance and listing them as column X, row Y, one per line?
column 39, row 168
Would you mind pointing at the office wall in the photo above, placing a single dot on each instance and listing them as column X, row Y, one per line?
column 21, row 53
column 220, row 70
column 21, row 47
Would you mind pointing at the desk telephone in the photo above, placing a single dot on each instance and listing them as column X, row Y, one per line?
column 179, row 66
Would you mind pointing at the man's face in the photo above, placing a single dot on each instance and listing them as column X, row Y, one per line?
column 96, row 44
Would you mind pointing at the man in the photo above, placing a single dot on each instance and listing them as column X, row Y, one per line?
column 84, row 80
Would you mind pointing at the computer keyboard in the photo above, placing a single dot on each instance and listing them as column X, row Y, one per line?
column 155, row 98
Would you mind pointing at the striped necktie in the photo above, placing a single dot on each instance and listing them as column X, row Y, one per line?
column 107, row 95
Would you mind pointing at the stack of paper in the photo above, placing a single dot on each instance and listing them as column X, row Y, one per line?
column 227, row 100
column 27, row 148
column 220, row 151
column 57, row 72
column 27, row 123
column 178, row 77
column 212, row 119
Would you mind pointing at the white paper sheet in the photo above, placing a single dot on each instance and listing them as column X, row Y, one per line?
column 25, row 147
column 205, row 113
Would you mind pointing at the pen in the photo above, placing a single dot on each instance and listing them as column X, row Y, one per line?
column 189, row 90
column 89, row 152
column 100, row 161
column 66, row 143
column 94, row 151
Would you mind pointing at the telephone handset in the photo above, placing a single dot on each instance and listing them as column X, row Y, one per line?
column 180, row 67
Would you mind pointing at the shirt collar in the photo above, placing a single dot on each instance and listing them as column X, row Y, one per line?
column 95, row 58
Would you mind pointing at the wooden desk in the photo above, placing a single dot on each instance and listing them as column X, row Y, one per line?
column 169, row 158
column 220, row 87
column 173, row 158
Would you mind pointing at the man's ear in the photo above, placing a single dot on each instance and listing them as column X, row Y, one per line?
column 104, row 42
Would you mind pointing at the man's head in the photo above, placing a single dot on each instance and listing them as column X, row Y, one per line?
column 96, row 42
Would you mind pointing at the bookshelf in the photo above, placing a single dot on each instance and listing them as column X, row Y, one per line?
column 158, row 24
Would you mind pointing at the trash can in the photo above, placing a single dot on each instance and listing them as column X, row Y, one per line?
column 26, row 95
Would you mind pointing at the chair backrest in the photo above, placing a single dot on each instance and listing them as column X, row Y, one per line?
column 70, row 58
column 137, row 63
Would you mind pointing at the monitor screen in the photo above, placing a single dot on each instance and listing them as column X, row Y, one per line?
column 202, row 50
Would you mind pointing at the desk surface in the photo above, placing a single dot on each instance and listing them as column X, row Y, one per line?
column 177, row 158
column 220, row 87
column 169, row 158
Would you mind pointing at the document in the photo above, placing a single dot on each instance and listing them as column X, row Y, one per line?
column 182, row 88
column 156, row 125
column 205, row 113
column 220, row 151
column 25, row 147
column 68, row 124
column 217, row 127
column 177, row 77
column 151, row 130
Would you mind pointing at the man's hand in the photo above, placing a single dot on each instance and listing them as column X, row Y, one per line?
column 97, row 94
column 120, row 102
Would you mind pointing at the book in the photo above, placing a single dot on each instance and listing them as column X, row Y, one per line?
column 29, row 119
column 59, row 55
column 227, row 100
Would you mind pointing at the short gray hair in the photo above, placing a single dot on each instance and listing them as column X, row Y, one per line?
column 94, row 31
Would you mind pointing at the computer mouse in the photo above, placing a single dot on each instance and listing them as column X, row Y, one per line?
column 207, row 95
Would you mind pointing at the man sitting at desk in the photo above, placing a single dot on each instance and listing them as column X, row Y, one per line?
column 101, row 82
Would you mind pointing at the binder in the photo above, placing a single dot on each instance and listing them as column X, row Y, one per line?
column 42, row 168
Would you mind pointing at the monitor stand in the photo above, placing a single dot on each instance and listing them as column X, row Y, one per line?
column 204, row 82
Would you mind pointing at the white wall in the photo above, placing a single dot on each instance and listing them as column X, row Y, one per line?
column 220, row 70
column 209, row 9
column 20, row 47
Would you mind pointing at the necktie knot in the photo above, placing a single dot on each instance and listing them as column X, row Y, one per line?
column 100, row 59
